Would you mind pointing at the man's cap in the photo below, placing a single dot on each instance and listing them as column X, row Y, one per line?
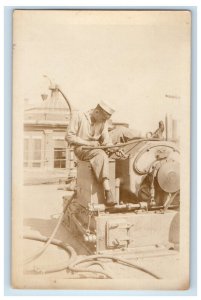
column 106, row 107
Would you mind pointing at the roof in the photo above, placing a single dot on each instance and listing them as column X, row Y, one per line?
column 55, row 102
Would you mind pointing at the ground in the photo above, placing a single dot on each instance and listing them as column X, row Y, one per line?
column 42, row 206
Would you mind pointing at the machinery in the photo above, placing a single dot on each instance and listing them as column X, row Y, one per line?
column 144, row 177
column 146, row 183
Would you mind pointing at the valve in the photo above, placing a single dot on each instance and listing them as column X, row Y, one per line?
column 89, row 238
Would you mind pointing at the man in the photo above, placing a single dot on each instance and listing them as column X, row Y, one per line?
column 90, row 129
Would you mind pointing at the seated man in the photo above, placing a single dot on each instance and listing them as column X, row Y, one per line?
column 90, row 129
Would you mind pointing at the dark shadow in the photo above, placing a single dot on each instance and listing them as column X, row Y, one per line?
column 127, row 196
column 43, row 226
column 46, row 226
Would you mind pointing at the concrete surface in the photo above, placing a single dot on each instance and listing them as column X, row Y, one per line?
column 41, row 176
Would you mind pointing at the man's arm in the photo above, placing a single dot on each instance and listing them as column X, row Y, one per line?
column 105, row 137
column 72, row 131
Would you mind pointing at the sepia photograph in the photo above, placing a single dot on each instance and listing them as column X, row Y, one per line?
column 101, row 149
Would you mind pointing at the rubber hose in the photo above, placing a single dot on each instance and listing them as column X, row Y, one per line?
column 63, row 266
column 73, row 269
column 58, row 243
column 116, row 259
column 120, row 144
column 92, row 263
column 67, row 101
column 44, row 248
column 70, row 265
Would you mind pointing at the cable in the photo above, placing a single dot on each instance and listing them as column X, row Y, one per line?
column 67, row 101
column 63, row 266
column 137, row 140
column 58, row 243
column 88, row 271
column 115, row 259
column 71, row 263
column 43, row 249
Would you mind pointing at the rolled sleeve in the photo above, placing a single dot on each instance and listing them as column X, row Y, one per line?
column 105, row 137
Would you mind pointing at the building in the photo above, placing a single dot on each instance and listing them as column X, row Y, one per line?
column 46, row 153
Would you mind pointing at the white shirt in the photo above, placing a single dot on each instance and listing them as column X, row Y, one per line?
column 81, row 129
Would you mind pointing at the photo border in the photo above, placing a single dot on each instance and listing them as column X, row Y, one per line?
column 8, row 290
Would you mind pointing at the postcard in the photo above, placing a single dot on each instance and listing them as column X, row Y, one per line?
column 101, row 149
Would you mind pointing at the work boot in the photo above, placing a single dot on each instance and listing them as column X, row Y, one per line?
column 109, row 200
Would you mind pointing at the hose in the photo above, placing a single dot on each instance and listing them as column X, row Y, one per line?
column 44, row 248
column 119, row 144
column 85, row 270
column 62, row 266
column 96, row 263
column 116, row 259
column 67, row 101
column 71, row 263
column 58, row 243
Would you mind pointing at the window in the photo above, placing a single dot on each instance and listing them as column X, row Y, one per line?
column 36, row 153
column 32, row 152
column 60, row 158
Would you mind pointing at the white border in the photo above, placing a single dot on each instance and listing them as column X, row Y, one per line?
column 99, row 4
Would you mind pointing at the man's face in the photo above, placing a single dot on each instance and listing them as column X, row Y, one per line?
column 101, row 115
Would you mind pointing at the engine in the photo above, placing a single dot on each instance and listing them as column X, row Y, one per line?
column 150, row 173
column 146, row 183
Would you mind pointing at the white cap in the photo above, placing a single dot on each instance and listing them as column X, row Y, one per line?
column 106, row 107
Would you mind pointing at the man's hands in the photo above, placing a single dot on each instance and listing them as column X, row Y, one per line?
column 111, row 150
column 119, row 153
column 87, row 145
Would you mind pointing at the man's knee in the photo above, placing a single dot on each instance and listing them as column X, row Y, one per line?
column 101, row 154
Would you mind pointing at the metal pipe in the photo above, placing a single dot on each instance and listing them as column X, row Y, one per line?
column 66, row 99
column 120, row 144
column 127, row 207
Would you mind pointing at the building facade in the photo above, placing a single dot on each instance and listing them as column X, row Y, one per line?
column 46, row 153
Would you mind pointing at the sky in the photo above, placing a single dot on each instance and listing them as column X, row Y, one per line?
column 137, row 61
